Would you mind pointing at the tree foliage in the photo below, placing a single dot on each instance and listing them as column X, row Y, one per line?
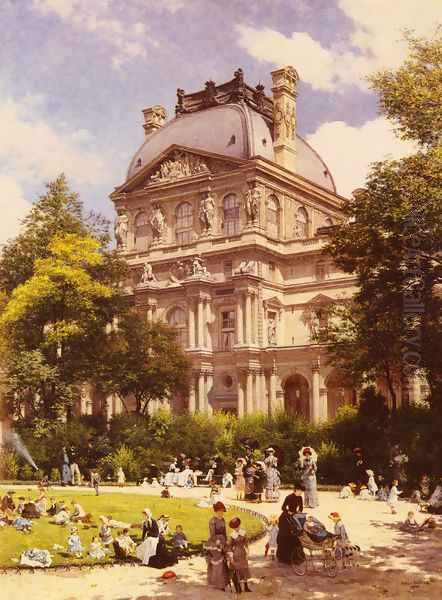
column 143, row 360
column 393, row 241
column 411, row 96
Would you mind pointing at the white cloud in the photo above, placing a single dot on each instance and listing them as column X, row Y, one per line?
column 32, row 149
column 97, row 17
column 375, row 42
column 14, row 208
column 348, row 151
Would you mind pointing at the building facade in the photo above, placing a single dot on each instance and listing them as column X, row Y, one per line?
column 222, row 219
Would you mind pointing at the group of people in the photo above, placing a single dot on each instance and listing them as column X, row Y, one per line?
column 255, row 479
column 227, row 555
column 21, row 513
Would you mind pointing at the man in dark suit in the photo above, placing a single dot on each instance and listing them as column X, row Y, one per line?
column 293, row 502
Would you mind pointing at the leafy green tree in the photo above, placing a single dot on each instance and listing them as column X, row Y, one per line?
column 55, row 326
column 411, row 96
column 143, row 360
column 393, row 241
column 58, row 212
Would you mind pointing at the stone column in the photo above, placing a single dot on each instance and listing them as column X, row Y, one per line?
column 208, row 340
column 254, row 319
column 239, row 321
column 191, row 319
column 247, row 333
column 323, row 404
column 200, row 323
column 263, row 393
column 201, row 392
column 249, row 393
column 209, row 386
column 109, row 407
column 272, row 392
column 192, row 398
column 316, row 414
column 240, row 396
column 149, row 313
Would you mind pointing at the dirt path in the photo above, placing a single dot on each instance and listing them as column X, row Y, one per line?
column 395, row 565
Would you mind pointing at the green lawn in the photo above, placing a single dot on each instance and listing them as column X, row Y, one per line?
column 122, row 507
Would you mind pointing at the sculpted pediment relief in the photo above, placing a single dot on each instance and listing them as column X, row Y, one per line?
column 180, row 163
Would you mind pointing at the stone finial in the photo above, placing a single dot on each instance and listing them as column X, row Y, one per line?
column 154, row 118
column 285, row 79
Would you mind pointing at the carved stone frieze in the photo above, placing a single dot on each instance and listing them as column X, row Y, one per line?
column 180, row 164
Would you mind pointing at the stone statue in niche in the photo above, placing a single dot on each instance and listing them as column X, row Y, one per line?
column 207, row 212
column 271, row 329
column 246, row 266
column 198, row 267
column 121, row 230
column 284, row 121
column 157, row 222
column 290, row 122
column 147, row 275
column 251, row 204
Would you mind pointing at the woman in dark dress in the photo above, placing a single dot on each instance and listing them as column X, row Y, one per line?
column 289, row 548
column 293, row 501
column 249, row 477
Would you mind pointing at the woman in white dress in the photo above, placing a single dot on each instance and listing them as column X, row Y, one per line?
column 150, row 538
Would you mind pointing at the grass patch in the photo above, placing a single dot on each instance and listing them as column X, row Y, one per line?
column 122, row 507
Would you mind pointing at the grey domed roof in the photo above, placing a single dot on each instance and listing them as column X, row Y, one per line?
column 233, row 130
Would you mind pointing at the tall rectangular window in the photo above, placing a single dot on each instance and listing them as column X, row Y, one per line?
column 227, row 330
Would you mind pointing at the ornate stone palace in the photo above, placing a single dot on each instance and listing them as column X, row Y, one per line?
column 222, row 220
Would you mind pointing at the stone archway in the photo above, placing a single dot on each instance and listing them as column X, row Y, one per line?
column 297, row 396
column 339, row 393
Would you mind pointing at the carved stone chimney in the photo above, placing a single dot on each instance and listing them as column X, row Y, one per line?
column 284, row 116
column 154, row 118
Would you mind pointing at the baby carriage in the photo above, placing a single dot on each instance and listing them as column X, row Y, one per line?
column 319, row 556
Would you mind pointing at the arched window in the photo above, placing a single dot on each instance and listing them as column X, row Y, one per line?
column 231, row 215
column 328, row 222
column 184, row 223
column 273, row 216
column 301, row 223
column 141, row 228
column 177, row 319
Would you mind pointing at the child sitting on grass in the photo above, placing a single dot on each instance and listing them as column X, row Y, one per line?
column 179, row 539
column 74, row 543
column 96, row 549
column 412, row 526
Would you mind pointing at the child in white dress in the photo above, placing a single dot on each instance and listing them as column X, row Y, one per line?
column 393, row 497
column 372, row 485
column 272, row 535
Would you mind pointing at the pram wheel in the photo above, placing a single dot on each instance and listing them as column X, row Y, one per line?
column 299, row 569
column 330, row 565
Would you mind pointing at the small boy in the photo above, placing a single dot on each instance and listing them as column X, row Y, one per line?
column 237, row 556
column 227, row 480
column 179, row 539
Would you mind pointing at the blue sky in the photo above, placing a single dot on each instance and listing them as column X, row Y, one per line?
column 75, row 75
